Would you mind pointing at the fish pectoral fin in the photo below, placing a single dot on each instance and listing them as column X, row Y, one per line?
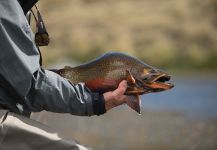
column 134, row 102
column 130, row 78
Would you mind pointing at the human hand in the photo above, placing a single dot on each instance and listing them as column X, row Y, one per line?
column 116, row 97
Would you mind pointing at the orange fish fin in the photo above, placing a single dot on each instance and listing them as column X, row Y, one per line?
column 134, row 102
column 130, row 78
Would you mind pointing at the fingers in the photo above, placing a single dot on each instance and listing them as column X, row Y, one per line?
column 121, row 89
column 116, row 97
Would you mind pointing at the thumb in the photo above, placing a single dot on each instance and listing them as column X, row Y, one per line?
column 121, row 88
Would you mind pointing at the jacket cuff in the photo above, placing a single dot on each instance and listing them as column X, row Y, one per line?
column 98, row 104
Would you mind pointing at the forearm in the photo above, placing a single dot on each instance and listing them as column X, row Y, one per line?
column 53, row 93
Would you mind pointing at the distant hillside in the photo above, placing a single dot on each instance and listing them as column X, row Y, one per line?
column 166, row 33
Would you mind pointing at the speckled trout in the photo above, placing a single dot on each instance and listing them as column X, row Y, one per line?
column 104, row 74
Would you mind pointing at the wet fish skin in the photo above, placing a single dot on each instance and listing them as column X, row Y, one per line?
column 104, row 74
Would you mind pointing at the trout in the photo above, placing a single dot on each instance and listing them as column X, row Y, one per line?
column 104, row 74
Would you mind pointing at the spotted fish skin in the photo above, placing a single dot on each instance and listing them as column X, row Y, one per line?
column 104, row 74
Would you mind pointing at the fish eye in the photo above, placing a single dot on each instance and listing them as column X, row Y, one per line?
column 153, row 71
column 145, row 79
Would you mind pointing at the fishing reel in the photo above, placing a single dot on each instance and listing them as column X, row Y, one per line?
column 41, row 35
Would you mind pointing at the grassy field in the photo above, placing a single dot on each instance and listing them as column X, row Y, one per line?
column 166, row 33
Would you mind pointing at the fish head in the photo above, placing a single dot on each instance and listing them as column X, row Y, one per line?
column 148, row 80
column 144, row 79
column 156, row 80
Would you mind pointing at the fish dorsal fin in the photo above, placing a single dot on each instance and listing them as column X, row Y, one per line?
column 130, row 78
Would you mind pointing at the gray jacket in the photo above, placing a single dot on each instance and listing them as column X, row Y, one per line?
column 38, row 89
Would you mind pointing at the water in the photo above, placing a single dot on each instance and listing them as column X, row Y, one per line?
column 123, row 129
column 192, row 96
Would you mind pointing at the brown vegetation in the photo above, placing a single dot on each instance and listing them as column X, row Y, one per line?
column 171, row 33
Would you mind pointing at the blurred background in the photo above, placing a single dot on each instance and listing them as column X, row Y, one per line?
column 178, row 36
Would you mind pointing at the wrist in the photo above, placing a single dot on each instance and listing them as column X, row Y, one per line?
column 98, row 104
column 108, row 101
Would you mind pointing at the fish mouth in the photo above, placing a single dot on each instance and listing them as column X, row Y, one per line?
column 159, row 83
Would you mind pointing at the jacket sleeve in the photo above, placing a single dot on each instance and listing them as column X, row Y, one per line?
column 40, row 89
column 53, row 93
